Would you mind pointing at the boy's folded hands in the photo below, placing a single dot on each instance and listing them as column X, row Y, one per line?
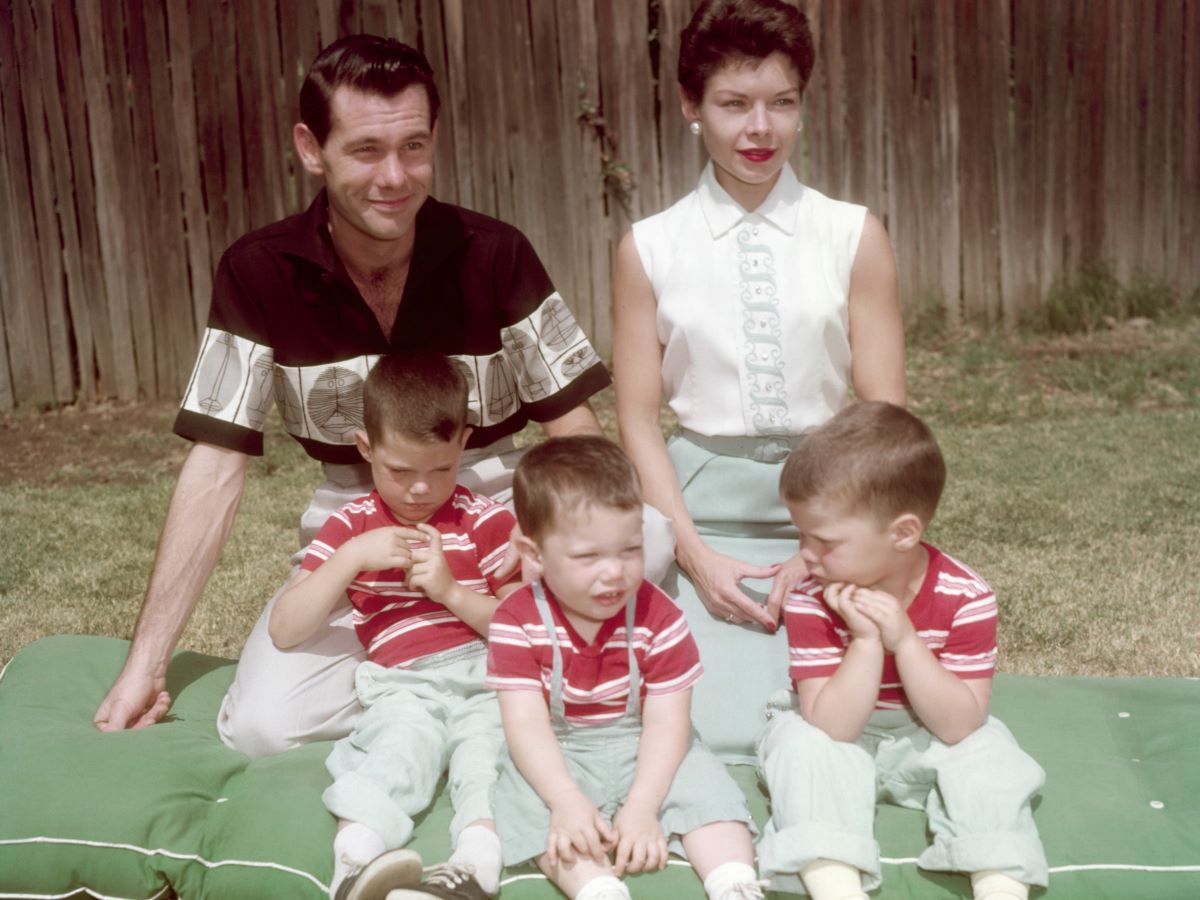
column 577, row 828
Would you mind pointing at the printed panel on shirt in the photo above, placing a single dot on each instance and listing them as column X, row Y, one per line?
column 232, row 380
column 546, row 350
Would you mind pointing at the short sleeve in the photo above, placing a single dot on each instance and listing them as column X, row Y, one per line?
column 816, row 635
column 555, row 366
column 512, row 661
column 672, row 660
column 491, row 534
column 231, row 389
column 970, row 648
column 337, row 529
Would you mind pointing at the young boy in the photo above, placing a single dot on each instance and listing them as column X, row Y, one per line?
column 418, row 557
column 892, row 650
column 594, row 668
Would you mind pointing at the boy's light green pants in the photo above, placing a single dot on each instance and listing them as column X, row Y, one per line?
column 975, row 793
column 415, row 722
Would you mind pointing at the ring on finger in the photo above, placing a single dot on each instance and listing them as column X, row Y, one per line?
column 729, row 618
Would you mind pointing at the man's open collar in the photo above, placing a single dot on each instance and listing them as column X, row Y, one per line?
column 781, row 209
column 439, row 234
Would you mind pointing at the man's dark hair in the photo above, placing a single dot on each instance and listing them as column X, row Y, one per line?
column 368, row 63
column 422, row 396
column 725, row 32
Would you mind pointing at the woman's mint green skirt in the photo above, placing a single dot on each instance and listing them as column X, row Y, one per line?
column 735, row 504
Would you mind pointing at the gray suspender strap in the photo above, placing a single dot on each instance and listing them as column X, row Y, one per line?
column 557, row 707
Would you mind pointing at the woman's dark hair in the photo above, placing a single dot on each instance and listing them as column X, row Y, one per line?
column 731, row 31
column 367, row 63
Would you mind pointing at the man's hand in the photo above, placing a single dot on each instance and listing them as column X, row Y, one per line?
column 135, row 700
column 430, row 572
column 791, row 573
column 888, row 616
column 641, row 844
column 841, row 599
column 577, row 829
column 717, row 579
column 383, row 548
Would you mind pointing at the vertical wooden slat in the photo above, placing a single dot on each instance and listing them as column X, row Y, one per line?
column 1030, row 52
column 115, row 247
column 183, row 109
column 228, row 59
column 57, row 233
column 1089, row 170
column 682, row 153
column 24, row 314
column 456, row 102
column 627, row 100
column 997, row 23
column 433, row 40
column 82, row 203
column 43, row 226
column 949, row 187
column 1158, row 95
column 1186, row 228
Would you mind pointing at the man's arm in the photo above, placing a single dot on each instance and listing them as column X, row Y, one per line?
column 198, row 520
column 580, row 420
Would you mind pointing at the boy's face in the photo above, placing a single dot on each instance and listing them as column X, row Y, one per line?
column 591, row 559
column 413, row 477
column 838, row 545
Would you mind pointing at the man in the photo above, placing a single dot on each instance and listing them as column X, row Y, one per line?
column 301, row 309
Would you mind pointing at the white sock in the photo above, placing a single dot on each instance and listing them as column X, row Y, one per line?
column 992, row 885
column 827, row 879
column 479, row 848
column 722, row 879
column 603, row 887
column 354, row 846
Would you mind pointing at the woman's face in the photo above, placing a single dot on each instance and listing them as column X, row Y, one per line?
column 748, row 118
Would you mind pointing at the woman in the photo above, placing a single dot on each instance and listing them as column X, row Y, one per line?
column 753, row 304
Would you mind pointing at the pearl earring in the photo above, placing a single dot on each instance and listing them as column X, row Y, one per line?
column 800, row 128
column 694, row 126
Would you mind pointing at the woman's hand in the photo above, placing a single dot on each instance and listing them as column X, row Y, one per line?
column 791, row 573
column 717, row 580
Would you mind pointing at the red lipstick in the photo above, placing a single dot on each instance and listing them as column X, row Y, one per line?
column 757, row 154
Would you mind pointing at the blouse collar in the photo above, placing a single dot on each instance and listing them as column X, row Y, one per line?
column 781, row 208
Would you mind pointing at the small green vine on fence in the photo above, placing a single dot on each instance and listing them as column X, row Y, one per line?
column 616, row 175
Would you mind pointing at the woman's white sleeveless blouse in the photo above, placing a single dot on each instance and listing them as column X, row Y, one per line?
column 752, row 308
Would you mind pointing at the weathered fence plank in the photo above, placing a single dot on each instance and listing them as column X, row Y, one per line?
column 1006, row 143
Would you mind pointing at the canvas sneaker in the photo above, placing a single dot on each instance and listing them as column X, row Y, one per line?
column 389, row 870
column 448, row 881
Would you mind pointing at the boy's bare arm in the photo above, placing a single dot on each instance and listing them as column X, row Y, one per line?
column 666, row 728
column 841, row 704
column 310, row 597
column 949, row 706
column 576, row 825
column 431, row 573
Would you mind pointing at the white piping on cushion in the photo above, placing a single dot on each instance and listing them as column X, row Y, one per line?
column 209, row 864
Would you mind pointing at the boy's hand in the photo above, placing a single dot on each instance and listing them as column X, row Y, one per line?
column 430, row 571
column 641, row 844
column 577, row 829
column 840, row 597
column 885, row 611
column 381, row 548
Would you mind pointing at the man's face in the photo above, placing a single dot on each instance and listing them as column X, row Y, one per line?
column 377, row 162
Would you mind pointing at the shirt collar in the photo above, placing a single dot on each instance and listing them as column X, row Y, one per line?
column 439, row 235
column 781, row 209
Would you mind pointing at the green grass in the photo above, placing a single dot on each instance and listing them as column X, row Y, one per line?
column 1074, row 489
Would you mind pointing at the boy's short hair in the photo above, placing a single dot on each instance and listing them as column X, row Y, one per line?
column 562, row 474
column 418, row 395
column 875, row 457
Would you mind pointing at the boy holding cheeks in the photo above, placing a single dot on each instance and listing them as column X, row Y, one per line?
column 594, row 667
column 892, row 651
column 418, row 557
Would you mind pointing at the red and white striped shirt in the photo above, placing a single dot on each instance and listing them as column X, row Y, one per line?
column 595, row 675
column 954, row 613
column 397, row 623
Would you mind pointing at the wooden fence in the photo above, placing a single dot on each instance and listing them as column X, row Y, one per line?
column 1003, row 142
